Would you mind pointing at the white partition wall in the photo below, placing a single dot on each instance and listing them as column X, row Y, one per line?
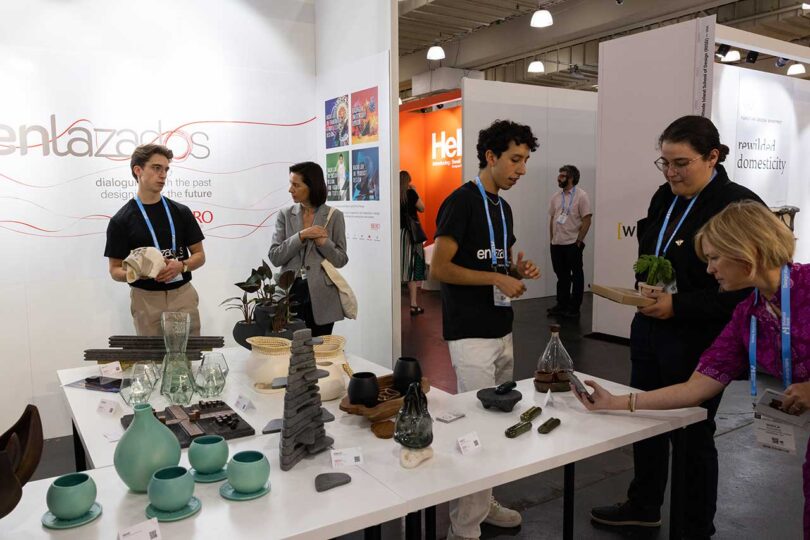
column 564, row 122
column 231, row 87
column 646, row 81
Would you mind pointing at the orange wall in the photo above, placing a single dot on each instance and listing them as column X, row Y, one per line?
column 433, row 182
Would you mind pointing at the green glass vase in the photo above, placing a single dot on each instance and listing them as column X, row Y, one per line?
column 147, row 445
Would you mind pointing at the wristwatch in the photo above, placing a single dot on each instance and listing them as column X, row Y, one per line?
column 185, row 267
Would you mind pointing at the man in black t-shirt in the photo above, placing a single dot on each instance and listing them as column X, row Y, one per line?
column 472, row 258
column 153, row 220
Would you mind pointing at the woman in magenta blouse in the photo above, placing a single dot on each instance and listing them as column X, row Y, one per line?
column 745, row 245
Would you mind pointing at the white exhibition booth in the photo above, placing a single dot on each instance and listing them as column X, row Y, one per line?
column 238, row 91
column 763, row 118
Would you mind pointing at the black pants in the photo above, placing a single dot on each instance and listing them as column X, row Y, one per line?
column 567, row 264
column 662, row 355
column 303, row 310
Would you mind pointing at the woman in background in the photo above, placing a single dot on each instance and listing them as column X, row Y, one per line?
column 412, row 254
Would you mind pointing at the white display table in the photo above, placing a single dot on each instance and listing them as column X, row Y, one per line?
column 380, row 489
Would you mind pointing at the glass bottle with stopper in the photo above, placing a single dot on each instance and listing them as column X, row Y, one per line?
column 554, row 365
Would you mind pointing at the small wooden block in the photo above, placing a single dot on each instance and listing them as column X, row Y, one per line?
column 383, row 430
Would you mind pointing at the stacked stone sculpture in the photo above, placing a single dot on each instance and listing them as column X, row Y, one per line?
column 302, row 431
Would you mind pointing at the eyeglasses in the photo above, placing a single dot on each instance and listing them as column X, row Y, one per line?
column 678, row 164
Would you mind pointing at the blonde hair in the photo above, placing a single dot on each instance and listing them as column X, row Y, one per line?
column 747, row 231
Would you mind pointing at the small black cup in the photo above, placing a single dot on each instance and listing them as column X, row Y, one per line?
column 363, row 389
column 406, row 371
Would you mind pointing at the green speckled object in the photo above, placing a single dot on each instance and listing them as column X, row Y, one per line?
column 531, row 413
column 548, row 425
column 518, row 429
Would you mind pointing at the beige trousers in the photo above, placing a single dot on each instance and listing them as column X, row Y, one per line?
column 147, row 307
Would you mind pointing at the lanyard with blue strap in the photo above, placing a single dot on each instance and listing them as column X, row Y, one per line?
column 152, row 229
column 492, row 230
column 570, row 203
column 787, row 364
column 678, row 226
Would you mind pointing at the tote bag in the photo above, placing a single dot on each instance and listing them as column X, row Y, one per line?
column 347, row 298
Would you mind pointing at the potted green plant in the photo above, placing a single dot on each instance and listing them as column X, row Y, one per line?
column 657, row 272
column 246, row 327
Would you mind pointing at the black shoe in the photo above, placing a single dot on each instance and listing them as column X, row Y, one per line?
column 626, row 514
column 571, row 313
column 556, row 309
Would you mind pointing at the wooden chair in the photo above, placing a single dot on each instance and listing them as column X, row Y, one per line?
column 20, row 452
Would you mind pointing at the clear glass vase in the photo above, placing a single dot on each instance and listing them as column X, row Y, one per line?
column 178, row 381
column 137, row 384
column 555, row 358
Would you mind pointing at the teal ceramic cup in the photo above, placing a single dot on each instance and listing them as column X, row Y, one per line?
column 208, row 454
column 71, row 496
column 248, row 471
column 170, row 488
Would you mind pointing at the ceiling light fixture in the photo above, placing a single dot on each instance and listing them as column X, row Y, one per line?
column 722, row 50
column 536, row 67
column 751, row 57
column 542, row 18
column 796, row 69
column 732, row 56
column 435, row 53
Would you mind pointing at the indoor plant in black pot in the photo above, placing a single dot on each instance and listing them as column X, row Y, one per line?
column 246, row 327
column 283, row 322
column 657, row 271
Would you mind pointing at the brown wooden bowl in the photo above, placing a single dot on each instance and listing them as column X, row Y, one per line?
column 384, row 409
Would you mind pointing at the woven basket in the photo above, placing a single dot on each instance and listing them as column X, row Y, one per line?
column 331, row 340
column 269, row 345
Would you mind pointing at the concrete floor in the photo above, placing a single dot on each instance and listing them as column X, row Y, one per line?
column 760, row 491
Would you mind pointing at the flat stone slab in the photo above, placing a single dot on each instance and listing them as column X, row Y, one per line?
column 279, row 382
column 327, row 481
column 273, row 426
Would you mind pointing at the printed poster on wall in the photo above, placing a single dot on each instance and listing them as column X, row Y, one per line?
column 366, row 174
column 337, row 122
column 365, row 117
column 337, row 176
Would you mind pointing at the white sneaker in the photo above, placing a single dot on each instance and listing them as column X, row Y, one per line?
column 500, row 516
column 451, row 536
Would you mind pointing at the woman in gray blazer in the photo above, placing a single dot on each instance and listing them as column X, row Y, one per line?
column 303, row 239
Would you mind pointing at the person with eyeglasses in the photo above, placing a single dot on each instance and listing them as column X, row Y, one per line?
column 569, row 212
column 668, row 337
column 152, row 220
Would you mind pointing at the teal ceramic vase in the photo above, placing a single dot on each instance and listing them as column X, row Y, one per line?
column 248, row 471
column 170, row 489
column 208, row 454
column 147, row 445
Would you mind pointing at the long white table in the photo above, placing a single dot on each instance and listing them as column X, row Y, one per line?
column 380, row 490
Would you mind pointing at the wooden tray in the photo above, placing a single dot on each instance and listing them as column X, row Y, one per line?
column 622, row 295
column 383, row 410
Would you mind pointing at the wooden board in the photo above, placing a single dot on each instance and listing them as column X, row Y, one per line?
column 383, row 410
column 178, row 420
column 622, row 295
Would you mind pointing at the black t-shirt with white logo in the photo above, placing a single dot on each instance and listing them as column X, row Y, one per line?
column 127, row 230
column 469, row 311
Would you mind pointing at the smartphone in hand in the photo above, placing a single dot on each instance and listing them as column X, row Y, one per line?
column 579, row 387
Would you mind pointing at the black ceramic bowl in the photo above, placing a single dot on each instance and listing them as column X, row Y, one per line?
column 406, row 371
column 363, row 389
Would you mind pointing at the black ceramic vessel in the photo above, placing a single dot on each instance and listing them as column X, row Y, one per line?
column 243, row 330
column 406, row 371
column 363, row 389
column 414, row 426
column 504, row 402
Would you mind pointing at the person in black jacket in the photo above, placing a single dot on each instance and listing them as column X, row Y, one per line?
column 667, row 338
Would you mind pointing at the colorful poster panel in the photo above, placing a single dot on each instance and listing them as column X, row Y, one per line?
column 338, row 187
column 337, row 122
column 365, row 116
column 366, row 174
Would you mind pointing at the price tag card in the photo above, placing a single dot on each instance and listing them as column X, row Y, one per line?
column 112, row 370
column 145, row 530
column 107, row 407
column 450, row 416
column 113, row 436
column 469, row 443
column 548, row 401
column 775, row 435
column 244, row 404
column 346, row 457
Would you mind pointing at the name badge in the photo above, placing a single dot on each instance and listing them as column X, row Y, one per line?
column 562, row 218
column 501, row 300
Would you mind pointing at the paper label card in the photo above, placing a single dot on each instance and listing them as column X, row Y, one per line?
column 107, row 407
column 112, row 370
column 450, row 416
column 145, row 530
column 113, row 436
column 549, row 399
column 347, row 457
column 244, row 404
column 775, row 435
column 469, row 443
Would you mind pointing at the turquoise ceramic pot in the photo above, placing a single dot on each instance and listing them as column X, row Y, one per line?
column 170, row 489
column 208, row 454
column 71, row 496
column 248, row 471
column 147, row 445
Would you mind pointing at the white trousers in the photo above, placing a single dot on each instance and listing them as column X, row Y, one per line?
column 479, row 363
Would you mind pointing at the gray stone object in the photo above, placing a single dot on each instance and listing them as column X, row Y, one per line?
column 327, row 481
column 505, row 402
column 302, row 431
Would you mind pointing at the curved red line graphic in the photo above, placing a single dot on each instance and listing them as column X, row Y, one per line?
column 69, row 180
column 90, row 216
column 233, row 172
column 243, row 122
column 50, row 235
